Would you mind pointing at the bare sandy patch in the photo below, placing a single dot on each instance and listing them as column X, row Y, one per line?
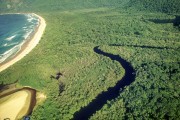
column 14, row 106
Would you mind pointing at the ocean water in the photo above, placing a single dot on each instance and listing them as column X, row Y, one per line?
column 15, row 29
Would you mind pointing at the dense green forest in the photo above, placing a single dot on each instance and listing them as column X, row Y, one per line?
column 140, row 31
column 166, row 6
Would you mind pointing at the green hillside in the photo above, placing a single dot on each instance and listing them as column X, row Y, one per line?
column 167, row 6
column 140, row 32
column 57, row 5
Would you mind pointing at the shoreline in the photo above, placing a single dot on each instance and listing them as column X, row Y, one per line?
column 28, row 45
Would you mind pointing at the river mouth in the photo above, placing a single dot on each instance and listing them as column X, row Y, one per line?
column 15, row 103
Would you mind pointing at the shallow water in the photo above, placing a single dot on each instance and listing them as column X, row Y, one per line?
column 15, row 29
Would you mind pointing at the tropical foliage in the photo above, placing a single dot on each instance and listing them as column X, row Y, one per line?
column 148, row 40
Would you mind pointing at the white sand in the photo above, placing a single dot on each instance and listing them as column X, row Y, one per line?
column 13, row 105
column 33, row 42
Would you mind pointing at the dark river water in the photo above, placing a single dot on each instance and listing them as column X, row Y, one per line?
column 113, row 92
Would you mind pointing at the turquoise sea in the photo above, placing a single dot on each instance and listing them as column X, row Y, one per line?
column 15, row 29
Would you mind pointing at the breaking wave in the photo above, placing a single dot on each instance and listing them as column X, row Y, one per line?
column 11, row 38
column 27, row 34
column 15, row 33
column 10, row 53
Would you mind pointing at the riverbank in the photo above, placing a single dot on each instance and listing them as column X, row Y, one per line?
column 28, row 46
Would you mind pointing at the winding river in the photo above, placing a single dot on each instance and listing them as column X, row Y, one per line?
column 113, row 92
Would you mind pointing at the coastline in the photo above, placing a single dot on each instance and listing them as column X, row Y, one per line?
column 28, row 45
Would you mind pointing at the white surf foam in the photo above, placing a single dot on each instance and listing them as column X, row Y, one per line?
column 8, row 53
column 30, row 18
column 10, row 38
column 16, row 47
column 6, row 44
column 24, row 27
column 28, row 32
column 11, row 52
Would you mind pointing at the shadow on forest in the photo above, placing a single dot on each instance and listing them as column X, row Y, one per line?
column 176, row 21
column 161, row 21
column 61, row 87
column 143, row 46
column 57, row 76
column 111, row 93
column 6, row 86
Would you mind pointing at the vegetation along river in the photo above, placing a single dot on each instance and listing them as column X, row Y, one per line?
column 112, row 92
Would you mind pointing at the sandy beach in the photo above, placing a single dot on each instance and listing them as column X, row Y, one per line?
column 27, row 47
